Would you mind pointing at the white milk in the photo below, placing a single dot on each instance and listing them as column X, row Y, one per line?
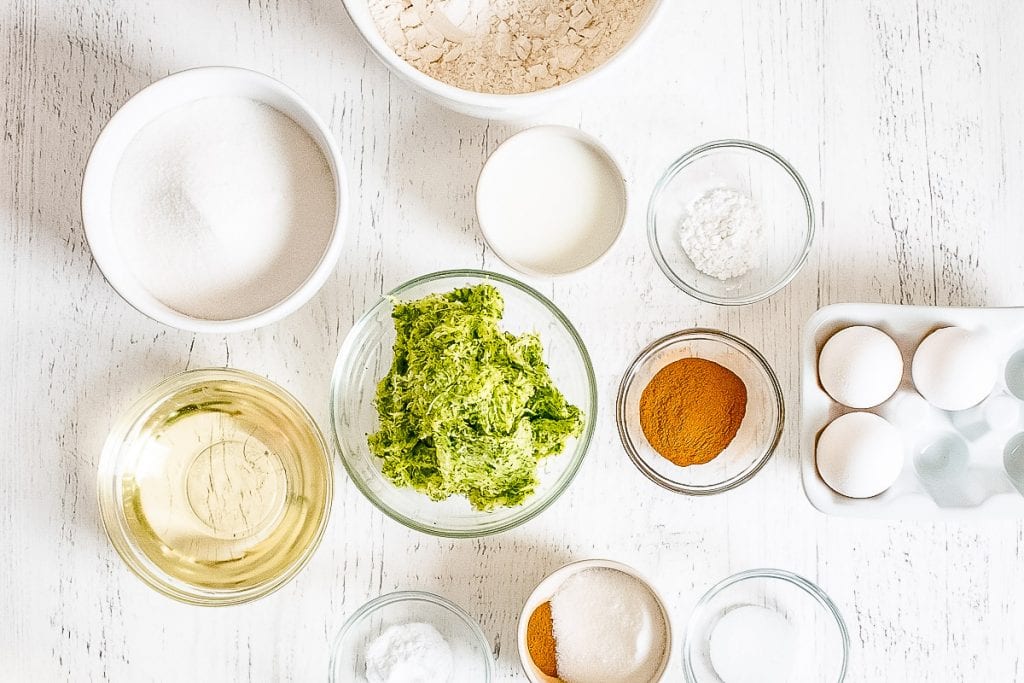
column 550, row 201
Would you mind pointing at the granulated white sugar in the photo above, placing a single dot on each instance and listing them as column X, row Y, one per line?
column 507, row 46
column 608, row 629
column 222, row 207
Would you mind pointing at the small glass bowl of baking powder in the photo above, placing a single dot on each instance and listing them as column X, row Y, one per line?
column 470, row 651
column 730, row 222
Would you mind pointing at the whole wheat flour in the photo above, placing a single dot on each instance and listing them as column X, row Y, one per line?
column 507, row 46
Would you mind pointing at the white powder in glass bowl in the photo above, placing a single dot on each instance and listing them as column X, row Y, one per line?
column 723, row 233
column 409, row 653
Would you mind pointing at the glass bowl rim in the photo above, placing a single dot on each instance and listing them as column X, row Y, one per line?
column 629, row 376
column 113, row 521
column 528, row 511
column 685, row 160
column 371, row 606
column 808, row 586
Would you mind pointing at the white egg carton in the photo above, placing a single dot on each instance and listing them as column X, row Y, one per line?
column 955, row 465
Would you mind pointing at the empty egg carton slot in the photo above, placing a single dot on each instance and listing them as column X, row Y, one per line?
column 1013, row 460
column 943, row 466
column 960, row 467
column 1014, row 374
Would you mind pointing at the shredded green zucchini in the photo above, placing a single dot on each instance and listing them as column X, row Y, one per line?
column 466, row 408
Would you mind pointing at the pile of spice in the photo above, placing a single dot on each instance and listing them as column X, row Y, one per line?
column 692, row 409
column 601, row 626
column 723, row 233
column 507, row 46
column 540, row 640
column 409, row 653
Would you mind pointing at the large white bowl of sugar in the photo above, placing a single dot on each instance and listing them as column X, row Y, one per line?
column 502, row 59
column 213, row 201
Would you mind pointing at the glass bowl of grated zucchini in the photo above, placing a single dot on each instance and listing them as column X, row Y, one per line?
column 462, row 403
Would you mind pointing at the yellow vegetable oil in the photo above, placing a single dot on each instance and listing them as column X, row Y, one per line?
column 224, row 484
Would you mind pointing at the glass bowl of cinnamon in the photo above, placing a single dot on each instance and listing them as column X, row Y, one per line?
column 700, row 411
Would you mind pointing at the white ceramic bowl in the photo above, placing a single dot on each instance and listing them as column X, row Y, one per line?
column 147, row 105
column 487, row 105
column 600, row 239
column 549, row 586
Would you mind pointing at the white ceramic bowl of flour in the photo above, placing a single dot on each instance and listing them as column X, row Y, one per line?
column 213, row 201
column 483, row 104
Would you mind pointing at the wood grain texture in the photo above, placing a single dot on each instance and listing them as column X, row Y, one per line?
column 905, row 117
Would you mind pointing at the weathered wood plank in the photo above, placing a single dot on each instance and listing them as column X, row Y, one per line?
column 907, row 121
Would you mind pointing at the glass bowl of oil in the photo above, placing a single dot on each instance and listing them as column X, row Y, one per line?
column 215, row 487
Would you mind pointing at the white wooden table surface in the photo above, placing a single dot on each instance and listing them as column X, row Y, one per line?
column 905, row 118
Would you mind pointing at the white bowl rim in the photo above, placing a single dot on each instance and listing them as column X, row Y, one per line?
column 495, row 101
column 557, row 578
column 115, row 272
column 587, row 139
column 679, row 164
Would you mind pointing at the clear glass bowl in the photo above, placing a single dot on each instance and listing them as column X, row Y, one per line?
column 365, row 358
column 750, row 169
column 215, row 486
column 756, row 439
column 823, row 644
column 471, row 651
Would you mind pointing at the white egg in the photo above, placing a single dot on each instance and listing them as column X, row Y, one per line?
column 860, row 455
column 954, row 368
column 860, row 366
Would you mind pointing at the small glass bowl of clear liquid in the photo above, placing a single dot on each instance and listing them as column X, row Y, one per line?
column 215, row 487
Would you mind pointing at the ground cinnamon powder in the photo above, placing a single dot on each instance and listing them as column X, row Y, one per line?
column 540, row 640
column 691, row 410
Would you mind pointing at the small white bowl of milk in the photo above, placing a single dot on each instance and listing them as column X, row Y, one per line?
column 551, row 201
column 213, row 201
